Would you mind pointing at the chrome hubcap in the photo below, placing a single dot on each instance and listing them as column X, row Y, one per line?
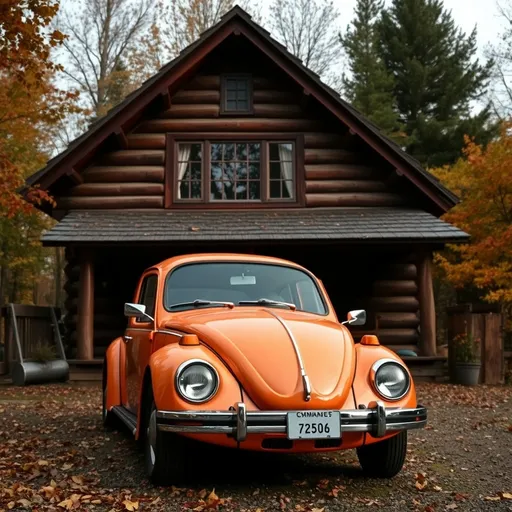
column 151, row 436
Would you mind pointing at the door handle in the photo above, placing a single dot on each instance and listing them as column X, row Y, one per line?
column 127, row 338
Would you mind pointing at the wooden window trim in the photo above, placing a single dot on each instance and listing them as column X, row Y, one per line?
column 223, row 96
column 171, row 201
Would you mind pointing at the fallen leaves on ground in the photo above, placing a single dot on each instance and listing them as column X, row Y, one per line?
column 55, row 455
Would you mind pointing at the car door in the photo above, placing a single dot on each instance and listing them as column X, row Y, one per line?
column 138, row 341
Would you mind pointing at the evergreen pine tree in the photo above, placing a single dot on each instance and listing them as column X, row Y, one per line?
column 369, row 88
column 436, row 79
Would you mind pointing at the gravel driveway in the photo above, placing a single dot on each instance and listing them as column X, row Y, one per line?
column 55, row 455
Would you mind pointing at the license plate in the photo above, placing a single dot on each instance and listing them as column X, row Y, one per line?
column 313, row 424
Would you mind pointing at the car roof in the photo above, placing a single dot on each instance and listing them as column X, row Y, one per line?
column 175, row 261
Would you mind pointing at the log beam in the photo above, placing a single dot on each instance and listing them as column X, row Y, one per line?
column 85, row 320
column 427, row 344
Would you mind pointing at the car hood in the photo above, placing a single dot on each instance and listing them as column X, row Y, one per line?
column 256, row 345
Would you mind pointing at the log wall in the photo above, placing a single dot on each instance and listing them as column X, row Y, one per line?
column 337, row 170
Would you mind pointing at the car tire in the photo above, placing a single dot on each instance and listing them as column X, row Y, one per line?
column 384, row 459
column 164, row 453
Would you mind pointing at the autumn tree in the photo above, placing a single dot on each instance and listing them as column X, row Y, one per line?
column 308, row 29
column 30, row 105
column 100, row 35
column 437, row 78
column 369, row 85
column 483, row 181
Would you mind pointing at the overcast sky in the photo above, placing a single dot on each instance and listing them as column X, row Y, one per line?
column 466, row 13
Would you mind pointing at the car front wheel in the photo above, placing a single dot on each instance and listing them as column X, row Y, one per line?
column 164, row 453
column 384, row 459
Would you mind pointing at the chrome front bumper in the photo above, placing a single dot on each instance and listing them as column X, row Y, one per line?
column 238, row 422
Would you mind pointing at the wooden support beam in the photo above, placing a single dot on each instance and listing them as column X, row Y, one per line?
column 85, row 320
column 427, row 344
column 121, row 138
column 166, row 99
column 75, row 176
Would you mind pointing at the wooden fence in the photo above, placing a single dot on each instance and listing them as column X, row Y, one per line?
column 483, row 322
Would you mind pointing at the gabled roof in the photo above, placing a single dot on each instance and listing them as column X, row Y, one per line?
column 239, row 21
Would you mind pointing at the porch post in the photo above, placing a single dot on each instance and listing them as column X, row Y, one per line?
column 427, row 344
column 85, row 320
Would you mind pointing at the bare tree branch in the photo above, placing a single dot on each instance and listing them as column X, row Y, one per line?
column 308, row 28
column 100, row 34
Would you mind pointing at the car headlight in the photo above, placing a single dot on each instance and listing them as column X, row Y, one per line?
column 197, row 381
column 391, row 379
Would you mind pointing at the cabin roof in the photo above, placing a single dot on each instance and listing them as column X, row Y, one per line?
column 238, row 21
column 382, row 225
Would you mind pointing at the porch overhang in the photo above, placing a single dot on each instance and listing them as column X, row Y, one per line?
column 340, row 225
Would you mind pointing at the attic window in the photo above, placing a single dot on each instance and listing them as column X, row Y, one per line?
column 236, row 94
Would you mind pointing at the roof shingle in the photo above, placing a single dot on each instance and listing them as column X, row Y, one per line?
column 327, row 224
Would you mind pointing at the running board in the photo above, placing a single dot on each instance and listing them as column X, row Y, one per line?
column 127, row 417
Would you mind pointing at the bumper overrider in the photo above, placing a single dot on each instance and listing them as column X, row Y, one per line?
column 237, row 422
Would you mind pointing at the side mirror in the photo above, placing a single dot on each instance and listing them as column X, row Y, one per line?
column 137, row 311
column 355, row 317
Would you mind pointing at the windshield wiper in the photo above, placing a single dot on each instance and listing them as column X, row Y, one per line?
column 268, row 302
column 201, row 302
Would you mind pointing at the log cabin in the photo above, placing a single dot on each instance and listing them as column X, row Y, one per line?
column 235, row 146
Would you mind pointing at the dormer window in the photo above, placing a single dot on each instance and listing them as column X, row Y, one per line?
column 236, row 94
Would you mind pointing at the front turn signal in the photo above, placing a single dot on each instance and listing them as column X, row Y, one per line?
column 369, row 339
column 189, row 339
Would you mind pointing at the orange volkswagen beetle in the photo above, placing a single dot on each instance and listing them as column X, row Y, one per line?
column 246, row 352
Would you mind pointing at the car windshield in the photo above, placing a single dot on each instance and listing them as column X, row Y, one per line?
column 201, row 285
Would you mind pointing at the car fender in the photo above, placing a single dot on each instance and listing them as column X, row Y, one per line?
column 363, row 386
column 113, row 365
column 163, row 365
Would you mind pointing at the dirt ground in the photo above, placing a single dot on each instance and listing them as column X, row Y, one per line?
column 55, row 455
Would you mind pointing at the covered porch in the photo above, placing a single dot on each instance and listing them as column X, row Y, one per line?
column 377, row 259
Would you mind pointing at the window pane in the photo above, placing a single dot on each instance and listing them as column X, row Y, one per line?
column 195, row 173
column 281, row 170
column 254, row 151
column 241, row 190
column 216, row 151
column 195, row 152
column 241, row 151
column 229, row 172
column 229, row 152
column 275, row 171
column 237, row 94
column 241, row 172
column 288, row 191
column 254, row 190
column 275, row 189
column 273, row 152
column 196, row 192
column 254, row 171
column 216, row 190
column 229, row 190
column 184, row 190
column 232, row 84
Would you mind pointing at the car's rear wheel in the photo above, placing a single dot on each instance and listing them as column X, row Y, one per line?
column 164, row 453
column 384, row 459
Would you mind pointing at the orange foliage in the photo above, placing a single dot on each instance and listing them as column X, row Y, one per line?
column 483, row 181
column 29, row 102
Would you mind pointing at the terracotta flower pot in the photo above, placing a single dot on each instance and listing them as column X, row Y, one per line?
column 467, row 374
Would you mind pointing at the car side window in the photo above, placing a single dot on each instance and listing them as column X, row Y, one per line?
column 148, row 295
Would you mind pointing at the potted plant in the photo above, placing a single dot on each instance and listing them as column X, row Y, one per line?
column 467, row 359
